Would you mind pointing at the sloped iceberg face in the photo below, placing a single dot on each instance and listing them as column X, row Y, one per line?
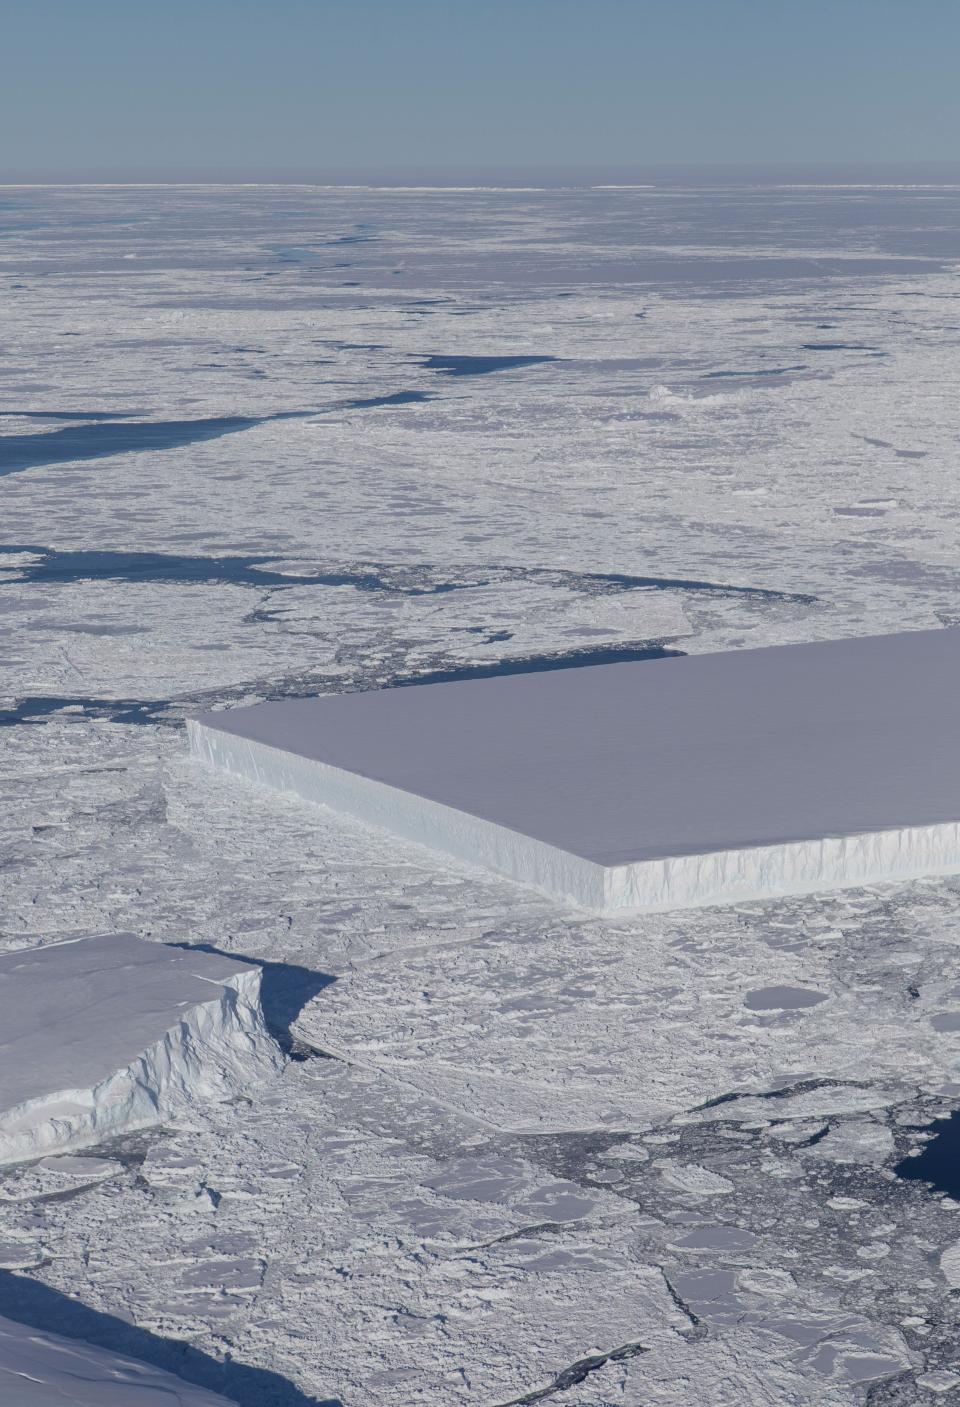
column 111, row 1033
column 40, row 1369
column 660, row 784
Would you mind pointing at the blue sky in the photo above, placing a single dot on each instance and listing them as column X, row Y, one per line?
column 255, row 88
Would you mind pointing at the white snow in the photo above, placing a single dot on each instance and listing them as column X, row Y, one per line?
column 110, row 1033
column 659, row 784
column 39, row 1369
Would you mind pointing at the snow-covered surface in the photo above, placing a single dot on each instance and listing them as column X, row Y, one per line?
column 39, row 1369
column 653, row 784
column 504, row 1160
column 102, row 1035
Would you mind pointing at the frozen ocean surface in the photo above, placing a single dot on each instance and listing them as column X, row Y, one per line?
column 514, row 1147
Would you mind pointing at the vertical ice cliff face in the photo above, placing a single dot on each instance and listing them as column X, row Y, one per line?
column 39, row 1369
column 108, row 1034
column 802, row 867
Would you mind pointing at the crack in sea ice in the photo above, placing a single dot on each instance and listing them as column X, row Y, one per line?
column 409, row 579
column 68, row 567
column 577, row 1373
column 698, row 1329
column 801, row 1087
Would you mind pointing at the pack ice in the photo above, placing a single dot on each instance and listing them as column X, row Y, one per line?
column 658, row 784
column 105, row 1034
column 39, row 1369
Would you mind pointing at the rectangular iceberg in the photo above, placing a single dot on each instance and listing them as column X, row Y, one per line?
column 659, row 784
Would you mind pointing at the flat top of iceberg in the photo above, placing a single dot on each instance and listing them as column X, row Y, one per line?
column 73, row 1013
column 679, row 756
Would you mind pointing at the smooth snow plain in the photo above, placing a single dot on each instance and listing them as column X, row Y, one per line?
column 645, row 785
column 515, row 1138
column 103, row 1035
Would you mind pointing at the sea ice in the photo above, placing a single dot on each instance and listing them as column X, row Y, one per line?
column 645, row 785
column 105, row 1034
column 525, row 513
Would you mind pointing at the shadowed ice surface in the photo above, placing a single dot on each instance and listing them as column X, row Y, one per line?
column 30, row 1302
column 540, row 664
column 478, row 366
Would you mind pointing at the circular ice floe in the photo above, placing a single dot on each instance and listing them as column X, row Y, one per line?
column 945, row 1021
column 782, row 998
column 716, row 1238
column 54, row 1176
column 68, row 1166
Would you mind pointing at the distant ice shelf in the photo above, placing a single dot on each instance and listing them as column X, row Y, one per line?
column 653, row 785
column 106, row 1034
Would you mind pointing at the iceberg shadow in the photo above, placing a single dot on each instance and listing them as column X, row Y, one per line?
column 285, row 989
column 29, row 1302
